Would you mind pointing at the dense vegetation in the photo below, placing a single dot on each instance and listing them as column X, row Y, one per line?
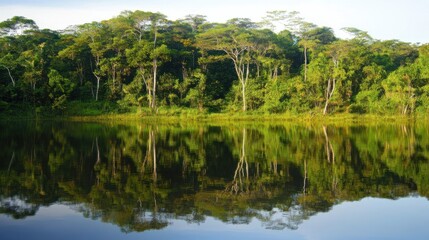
column 143, row 62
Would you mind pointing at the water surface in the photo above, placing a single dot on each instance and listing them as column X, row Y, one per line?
column 73, row 180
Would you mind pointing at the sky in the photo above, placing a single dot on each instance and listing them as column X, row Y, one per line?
column 406, row 21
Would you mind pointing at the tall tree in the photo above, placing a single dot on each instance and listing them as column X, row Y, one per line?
column 16, row 26
column 293, row 22
column 93, row 36
column 8, row 62
column 149, row 52
column 236, row 44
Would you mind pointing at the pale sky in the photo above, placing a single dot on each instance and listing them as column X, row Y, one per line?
column 383, row 19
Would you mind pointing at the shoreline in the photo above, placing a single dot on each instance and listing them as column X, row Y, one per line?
column 229, row 117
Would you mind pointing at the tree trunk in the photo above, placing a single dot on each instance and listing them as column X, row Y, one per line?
column 331, row 87
column 275, row 73
column 242, row 69
column 243, row 94
column 257, row 70
column 10, row 75
column 305, row 64
column 98, row 86
column 404, row 112
column 147, row 85
column 155, row 69
column 329, row 92
column 244, row 83
column 325, row 109
column 242, row 77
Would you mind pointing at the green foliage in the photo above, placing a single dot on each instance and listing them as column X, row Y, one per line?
column 141, row 59
column 400, row 87
column 367, row 102
column 16, row 25
column 60, row 89
column 275, row 97
column 91, row 108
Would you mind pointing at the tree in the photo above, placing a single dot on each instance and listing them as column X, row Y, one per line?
column 147, row 59
column 74, row 61
column 269, row 56
column 148, row 54
column 400, row 89
column 370, row 89
column 236, row 43
column 16, row 26
column 94, row 36
column 9, row 30
column 195, row 21
column 32, row 61
column 300, row 28
column 8, row 62
column 337, row 52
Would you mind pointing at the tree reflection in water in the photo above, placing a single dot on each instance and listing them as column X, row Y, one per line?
column 142, row 176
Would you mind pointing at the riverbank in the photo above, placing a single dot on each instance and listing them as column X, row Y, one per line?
column 105, row 112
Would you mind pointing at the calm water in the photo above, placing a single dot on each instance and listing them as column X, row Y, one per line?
column 65, row 180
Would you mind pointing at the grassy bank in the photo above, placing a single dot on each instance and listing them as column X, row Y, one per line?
column 104, row 111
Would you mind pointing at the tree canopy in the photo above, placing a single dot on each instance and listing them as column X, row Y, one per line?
column 142, row 61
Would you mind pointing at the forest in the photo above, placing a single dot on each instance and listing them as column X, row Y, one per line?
column 142, row 62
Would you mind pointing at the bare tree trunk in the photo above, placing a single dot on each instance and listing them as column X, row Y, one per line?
column 245, row 83
column 331, row 88
column 275, row 72
column 10, row 75
column 305, row 64
column 244, row 79
column 243, row 94
column 242, row 68
column 98, row 86
column 98, row 89
column 404, row 112
column 147, row 85
column 97, row 62
column 155, row 69
column 327, row 97
column 257, row 70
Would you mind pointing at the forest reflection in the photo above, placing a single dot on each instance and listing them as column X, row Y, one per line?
column 141, row 176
